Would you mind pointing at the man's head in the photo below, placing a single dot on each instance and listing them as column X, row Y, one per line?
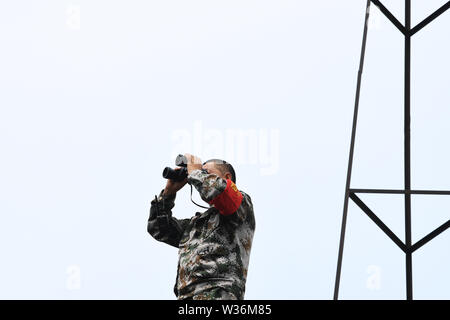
column 221, row 168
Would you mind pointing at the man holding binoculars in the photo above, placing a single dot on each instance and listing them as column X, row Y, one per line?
column 214, row 246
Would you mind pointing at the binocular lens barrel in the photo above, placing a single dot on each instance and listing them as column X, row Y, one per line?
column 175, row 175
column 167, row 172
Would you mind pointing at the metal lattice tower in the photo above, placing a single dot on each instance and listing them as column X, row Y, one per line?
column 407, row 247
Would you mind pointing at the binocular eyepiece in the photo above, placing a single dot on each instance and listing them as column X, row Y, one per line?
column 177, row 175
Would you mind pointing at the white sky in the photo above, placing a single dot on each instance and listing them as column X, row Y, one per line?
column 96, row 98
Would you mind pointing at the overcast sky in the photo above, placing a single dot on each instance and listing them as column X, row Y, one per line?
column 97, row 97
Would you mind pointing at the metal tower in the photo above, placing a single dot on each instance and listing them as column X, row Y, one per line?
column 407, row 247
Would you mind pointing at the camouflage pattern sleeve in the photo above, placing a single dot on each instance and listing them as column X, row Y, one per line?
column 245, row 210
column 207, row 184
column 161, row 225
column 222, row 194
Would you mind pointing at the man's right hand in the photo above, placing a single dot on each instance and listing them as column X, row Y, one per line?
column 172, row 187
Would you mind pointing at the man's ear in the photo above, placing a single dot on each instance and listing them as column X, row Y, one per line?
column 228, row 175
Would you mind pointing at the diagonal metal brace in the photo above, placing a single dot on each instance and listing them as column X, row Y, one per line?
column 378, row 222
column 430, row 236
column 428, row 20
column 390, row 16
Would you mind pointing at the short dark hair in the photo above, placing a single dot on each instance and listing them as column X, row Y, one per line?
column 224, row 167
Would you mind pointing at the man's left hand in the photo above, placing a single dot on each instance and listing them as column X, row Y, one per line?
column 193, row 163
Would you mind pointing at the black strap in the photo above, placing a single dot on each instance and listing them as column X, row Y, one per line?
column 195, row 202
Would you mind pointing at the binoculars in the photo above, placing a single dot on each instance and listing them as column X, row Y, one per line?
column 177, row 175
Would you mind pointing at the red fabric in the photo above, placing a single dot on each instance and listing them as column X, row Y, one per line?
column 229, row 200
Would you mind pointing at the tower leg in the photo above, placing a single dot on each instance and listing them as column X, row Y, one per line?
column 350, row 158
column 407, row 158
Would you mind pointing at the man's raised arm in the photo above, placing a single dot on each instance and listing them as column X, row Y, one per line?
column 221, row 193
column 161, row 225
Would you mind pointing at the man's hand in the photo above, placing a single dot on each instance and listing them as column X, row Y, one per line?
column 173, row 186
column 193, row 163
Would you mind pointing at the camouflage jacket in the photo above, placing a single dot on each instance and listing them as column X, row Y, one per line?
column 214, row 246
